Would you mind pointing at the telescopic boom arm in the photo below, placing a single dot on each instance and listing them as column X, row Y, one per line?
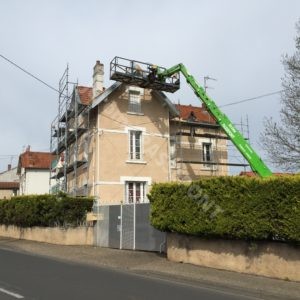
column 235, row 136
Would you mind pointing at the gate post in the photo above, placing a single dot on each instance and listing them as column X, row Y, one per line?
column 121, row 224
column 134, row 224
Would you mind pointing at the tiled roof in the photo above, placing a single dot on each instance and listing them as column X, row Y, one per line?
column 252, row 174
column 200, row 114
column 35, row 160
column 85, row 94
column 9, row 185
column 248, row 173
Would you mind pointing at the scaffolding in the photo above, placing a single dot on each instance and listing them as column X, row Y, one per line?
column 189, row 151
column 69, row 141
column 233, row 153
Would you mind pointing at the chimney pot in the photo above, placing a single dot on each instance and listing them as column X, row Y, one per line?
column 8, row 167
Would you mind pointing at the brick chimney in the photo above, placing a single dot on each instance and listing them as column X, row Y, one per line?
column 98, row 79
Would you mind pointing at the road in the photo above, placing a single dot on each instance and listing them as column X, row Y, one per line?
column 25, row 276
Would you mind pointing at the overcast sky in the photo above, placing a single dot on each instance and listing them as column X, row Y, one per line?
column 240, row 43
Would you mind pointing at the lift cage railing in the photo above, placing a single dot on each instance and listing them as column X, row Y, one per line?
column 140, row 74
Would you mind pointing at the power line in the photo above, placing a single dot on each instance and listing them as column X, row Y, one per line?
column 56, row 90
column 251, row 99
column 30, row 74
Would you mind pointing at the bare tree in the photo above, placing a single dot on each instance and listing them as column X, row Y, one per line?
column 282, row 141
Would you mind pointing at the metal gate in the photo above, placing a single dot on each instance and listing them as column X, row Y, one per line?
column 127, row 226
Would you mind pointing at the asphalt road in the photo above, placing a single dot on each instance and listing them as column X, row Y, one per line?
column 24, row 276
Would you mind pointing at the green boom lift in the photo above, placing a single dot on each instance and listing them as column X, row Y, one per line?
column 168, row 79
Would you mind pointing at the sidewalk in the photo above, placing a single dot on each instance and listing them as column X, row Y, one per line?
column 157, row 266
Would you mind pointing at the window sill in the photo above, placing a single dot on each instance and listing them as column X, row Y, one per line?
column 142, row 162
column 135, row 113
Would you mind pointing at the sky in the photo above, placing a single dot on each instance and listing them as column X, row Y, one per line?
column 238, row 42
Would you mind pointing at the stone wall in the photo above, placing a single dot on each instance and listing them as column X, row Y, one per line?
column 271, row 259
column 51, row 235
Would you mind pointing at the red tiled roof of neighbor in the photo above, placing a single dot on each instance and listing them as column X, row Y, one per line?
column 252, row 174
column 85, row 94
column 199, row 112
column 35, row 160
column 9, row 185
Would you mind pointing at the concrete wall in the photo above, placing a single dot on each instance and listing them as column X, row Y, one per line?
column 271, row 259
column 51, row 235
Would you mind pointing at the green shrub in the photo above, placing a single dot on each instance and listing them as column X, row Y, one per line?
column 230, row 208
column 44, row 210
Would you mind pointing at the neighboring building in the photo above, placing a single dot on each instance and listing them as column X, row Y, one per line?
column 115, row 143
column 9, row 183
column 33, row 171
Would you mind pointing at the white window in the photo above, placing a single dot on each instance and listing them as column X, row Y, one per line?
column 136, row 192
column 135, row 145
column 207, row 152
column 134, row 102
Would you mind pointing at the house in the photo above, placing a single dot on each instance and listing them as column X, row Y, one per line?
column 9, row 183
column 115, row 143
column 33, row 170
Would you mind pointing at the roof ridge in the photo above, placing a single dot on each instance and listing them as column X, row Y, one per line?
column 36, row 152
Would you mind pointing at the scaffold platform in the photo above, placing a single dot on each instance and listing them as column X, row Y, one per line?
column 142, row 74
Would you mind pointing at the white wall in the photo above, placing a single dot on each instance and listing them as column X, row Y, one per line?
column 35, row 182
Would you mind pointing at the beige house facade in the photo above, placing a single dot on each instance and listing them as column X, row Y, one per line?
column 116, row 142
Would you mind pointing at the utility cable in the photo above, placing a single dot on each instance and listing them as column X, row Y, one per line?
column 30, row 74
column 251, row 99
column 56, row 90
column 126, row 124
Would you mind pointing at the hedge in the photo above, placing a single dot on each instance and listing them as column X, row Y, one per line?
column 44, row 210
column 230, row 208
